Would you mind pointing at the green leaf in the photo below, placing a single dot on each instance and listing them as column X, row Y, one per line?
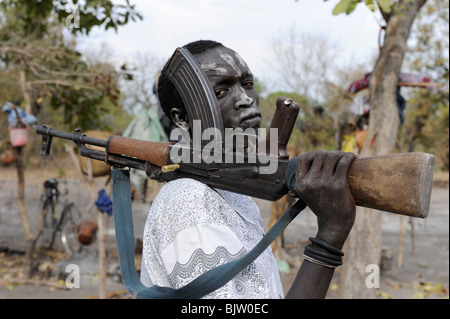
column 351, row 8
column 342, row 6
column 371, row 6
column 385, row 5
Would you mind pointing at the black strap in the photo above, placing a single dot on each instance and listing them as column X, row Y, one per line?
column 202, row 285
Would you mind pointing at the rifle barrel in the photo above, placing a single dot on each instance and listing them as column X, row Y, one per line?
column 77, row 138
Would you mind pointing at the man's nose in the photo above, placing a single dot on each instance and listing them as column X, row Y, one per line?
column 243, row 101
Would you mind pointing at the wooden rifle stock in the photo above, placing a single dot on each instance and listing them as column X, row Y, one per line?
column 397, row 183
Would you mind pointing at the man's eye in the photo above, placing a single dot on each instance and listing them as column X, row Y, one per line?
column 248, row 84
column 220, row 92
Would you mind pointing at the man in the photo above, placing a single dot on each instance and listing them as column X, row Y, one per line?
column 192, row 228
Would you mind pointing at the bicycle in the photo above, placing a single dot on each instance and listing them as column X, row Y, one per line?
column 66, row 223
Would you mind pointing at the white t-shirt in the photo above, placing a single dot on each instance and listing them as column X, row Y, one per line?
column 192, row 228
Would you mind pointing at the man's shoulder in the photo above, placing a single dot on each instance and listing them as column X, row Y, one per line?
column 183, row 196
column 185, row 188
column 186, row 183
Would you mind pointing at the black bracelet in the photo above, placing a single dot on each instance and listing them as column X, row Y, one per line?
column 327, row 255
column 324, row 260
column 318, row 262
column 331, row 257
column 326, row 246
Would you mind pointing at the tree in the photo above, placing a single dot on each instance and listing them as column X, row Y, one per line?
column 49, row 69
column 304, row 63
column 80, row 16
column 364, row 242
column 426, row 125
column 138, row 91
column 32, row 48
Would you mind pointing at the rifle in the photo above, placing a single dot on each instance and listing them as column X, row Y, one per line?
column 396, row 183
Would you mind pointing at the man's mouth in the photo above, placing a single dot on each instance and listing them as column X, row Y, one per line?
column 252, row 119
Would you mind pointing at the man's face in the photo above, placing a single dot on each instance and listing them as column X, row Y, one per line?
column 232, row 82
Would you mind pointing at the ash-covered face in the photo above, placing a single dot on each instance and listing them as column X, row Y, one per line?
column 233, row 85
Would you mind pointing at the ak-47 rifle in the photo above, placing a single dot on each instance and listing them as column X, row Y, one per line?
column 397, row 183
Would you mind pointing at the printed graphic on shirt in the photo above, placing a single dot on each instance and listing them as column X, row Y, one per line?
column 201, row 262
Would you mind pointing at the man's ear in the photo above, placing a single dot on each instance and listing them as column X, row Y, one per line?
column 179, row 117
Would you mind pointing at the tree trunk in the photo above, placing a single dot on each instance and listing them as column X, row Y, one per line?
column 101, row 255
column 364, row 242
column 30, row 238
column 24, row 87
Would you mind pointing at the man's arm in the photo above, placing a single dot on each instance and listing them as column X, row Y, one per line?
column 322, row 185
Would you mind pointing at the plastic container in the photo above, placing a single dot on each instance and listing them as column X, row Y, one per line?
column 18, row 136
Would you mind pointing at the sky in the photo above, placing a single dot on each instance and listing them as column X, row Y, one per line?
column 248, row 27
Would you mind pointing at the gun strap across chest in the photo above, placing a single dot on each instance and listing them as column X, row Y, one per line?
column 202, row 285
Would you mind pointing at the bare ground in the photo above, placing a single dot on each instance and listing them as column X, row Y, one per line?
column 416, row 268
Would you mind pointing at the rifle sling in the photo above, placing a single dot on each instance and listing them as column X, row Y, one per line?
column 202, row 285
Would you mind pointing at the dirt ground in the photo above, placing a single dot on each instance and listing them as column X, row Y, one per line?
column 423, row 252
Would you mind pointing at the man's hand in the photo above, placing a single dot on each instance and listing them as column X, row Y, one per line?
column 322, row 184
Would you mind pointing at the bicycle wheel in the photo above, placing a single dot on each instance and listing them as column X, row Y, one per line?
column 69, row 225
column 50, row 223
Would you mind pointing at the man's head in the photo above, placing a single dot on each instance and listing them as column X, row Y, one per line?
column 231, row 80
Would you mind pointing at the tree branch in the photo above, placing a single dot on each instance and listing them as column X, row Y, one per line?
column 62, row 83
column 6, row 49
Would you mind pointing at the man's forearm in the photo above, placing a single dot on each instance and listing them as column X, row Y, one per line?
column 312, row 282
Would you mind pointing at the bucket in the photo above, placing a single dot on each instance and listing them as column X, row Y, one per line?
column 8, row 156
column 18, row 136
column 87, row 231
